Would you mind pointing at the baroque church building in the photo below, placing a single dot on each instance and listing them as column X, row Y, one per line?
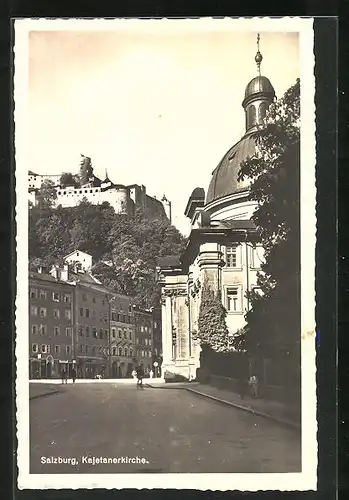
column 222, row 249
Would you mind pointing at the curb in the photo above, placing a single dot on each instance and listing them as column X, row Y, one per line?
column 281, row 421
column 286, row 423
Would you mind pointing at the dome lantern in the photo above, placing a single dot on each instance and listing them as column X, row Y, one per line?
column 259, row 94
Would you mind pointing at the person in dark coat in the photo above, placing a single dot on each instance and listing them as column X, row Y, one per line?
column 242, row 383
column 140, row 376
column 73, row 375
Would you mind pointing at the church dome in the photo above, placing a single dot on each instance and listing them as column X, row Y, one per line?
column 224, row 179
column 259, row 86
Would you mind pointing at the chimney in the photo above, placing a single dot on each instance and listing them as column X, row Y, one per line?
column 64, row 273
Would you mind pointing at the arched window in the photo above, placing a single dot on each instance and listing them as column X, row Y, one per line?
column 262, row 110
column 251, row 116
column 126, row 353
column 120, row 351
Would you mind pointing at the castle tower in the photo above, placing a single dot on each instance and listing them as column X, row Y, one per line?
column 167, row 207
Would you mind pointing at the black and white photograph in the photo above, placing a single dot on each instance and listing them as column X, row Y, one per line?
column 166, row 231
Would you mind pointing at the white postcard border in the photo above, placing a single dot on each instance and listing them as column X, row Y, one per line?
column 307, row 479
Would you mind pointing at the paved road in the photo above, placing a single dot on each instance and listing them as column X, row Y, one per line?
column 172, row 430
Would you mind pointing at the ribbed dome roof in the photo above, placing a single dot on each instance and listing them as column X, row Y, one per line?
column 259, row 85
column 224, row 178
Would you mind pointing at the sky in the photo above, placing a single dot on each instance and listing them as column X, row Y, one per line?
column 152, row 107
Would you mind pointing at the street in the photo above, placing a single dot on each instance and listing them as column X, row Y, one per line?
column 155, row 430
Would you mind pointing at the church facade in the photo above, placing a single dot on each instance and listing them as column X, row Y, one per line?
column 222, row 250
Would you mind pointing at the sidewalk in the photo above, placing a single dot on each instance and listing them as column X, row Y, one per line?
column 272, row 410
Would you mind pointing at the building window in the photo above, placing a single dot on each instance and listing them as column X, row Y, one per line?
column 100, row 333
column 120, row 334
column 113, row 332
column 67, row 313
column 257, row 257
column 56, row 330
column 42, row 312
column 55, row 297
column 44, row 348
column 34, row 329
column 43, row 329
column 81, row 311
column 82, row 348
column 68, row 349
column 94, row 332
column 233, row 299
column 125, row 334
column 67, row 297
column 33, row 293
column 106, row 333
column 87, row 349
column 80, row 331
column 231, row 257
column 130, row 308
column 114, row 351
column 120, row 351
column 34, row 311
column 130, row 334
column 57, row 349
column 131, row 352
column 87, row 331
column 126, row 351
column 87, row 313
column 146, row 341
column 43, row 294
column 68, row 332
column 56, row 313
column 149, row 341
column 155, row 324
column 35, row 347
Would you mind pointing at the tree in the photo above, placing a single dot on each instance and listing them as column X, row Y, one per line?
column 125, row 249
column 212, row 329
column 273, row 322
column 46, row 195
column 68, row 179
column 86, row 169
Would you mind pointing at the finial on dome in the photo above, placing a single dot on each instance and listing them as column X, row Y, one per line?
column 259, row 57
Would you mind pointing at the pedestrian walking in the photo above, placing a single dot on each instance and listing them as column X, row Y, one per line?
column 254, row 385
column 64, row 376
column 134, row 374
column 151, row 374
column 73, row 374
column 140, row 376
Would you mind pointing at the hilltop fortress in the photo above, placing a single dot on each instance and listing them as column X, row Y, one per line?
column 124, row 199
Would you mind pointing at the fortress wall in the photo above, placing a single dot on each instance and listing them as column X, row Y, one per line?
column 119, row 199
column 154, row 208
